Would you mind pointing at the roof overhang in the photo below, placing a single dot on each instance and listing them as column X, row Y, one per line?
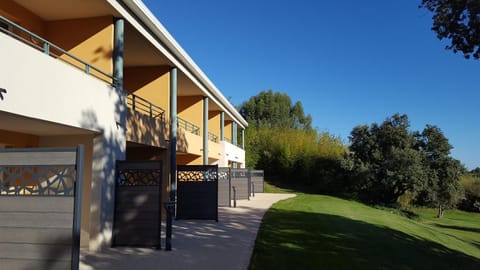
column 139, row 16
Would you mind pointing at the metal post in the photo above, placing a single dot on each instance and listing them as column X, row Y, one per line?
column 77, row 210
column 118, row 54
column 243, row 138
column 46, row 48
column 222, row 126
column 229, row 187
column 234, row 133
column 253, row 189
column 234, row 197
column 173, row 133
column 133, row 102
column 205, row 130
column 169, row 207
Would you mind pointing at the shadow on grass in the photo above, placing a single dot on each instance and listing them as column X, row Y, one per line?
column 460, row 228
column 301, row 240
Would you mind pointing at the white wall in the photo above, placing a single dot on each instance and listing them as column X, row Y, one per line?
column 41, row 87
column 231, row 152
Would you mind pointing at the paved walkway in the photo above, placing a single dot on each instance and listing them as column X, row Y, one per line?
column 197, row 244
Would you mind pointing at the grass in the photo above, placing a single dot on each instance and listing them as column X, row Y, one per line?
column 324, row 232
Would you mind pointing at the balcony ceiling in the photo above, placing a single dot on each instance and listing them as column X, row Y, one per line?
column 52, row 10
column 17, row 123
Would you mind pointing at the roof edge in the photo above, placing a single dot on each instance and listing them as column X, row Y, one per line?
column 148, row 19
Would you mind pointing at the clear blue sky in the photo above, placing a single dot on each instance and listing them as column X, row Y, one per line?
column 348, row 62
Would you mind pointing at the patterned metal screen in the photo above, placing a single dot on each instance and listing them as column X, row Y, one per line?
column 40, row 207
column 37, row 180
column 197, row 192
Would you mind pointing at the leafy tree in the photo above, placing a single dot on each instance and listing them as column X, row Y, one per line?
column 471, row 184
column 386, row 163
column 269, row 109
column 443, row 190
column 458, row 21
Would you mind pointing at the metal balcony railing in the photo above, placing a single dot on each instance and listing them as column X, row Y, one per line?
column 146, row 107
column 16, row 31
column 212, row 137
column 187, row 126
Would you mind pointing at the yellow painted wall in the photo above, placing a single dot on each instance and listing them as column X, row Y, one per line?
column 17, row 140
column 87, row 141
column 24, row 17
column 150, row 83
column 214, row 123
column 228, row 130
column 89, row 39
column 190, row 108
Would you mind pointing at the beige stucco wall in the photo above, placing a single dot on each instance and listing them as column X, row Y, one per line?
column 143, row 129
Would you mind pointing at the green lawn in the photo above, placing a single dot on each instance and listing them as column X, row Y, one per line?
column 323, row 232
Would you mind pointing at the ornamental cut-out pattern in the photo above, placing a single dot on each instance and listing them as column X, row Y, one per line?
column 139, row 177
column 197, row 174
column 37, row 180
column 223, row 173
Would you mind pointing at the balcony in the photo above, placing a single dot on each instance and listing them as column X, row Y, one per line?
column 33, row 40
column 39, row 86
column 146, row 123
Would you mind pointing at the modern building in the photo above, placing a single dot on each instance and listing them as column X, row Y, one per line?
column 108, row 75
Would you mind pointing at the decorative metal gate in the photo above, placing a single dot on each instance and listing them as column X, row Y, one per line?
column 138, row 204
column 197, row 192
column 40, row 207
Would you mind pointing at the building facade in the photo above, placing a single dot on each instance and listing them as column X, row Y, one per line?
column 108, row 75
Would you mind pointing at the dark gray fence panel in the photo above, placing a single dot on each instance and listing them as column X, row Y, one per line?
column 241, row 182
column 224, row 187
column 256, row 177
column 137, row 220
column 39, row 199
column 197, row 192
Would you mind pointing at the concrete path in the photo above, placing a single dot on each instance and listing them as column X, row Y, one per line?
column 197, row 244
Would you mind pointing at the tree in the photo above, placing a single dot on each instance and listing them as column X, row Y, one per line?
column 458, row 21
column 386, row 163
column 269, row 109
column 443, row 190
